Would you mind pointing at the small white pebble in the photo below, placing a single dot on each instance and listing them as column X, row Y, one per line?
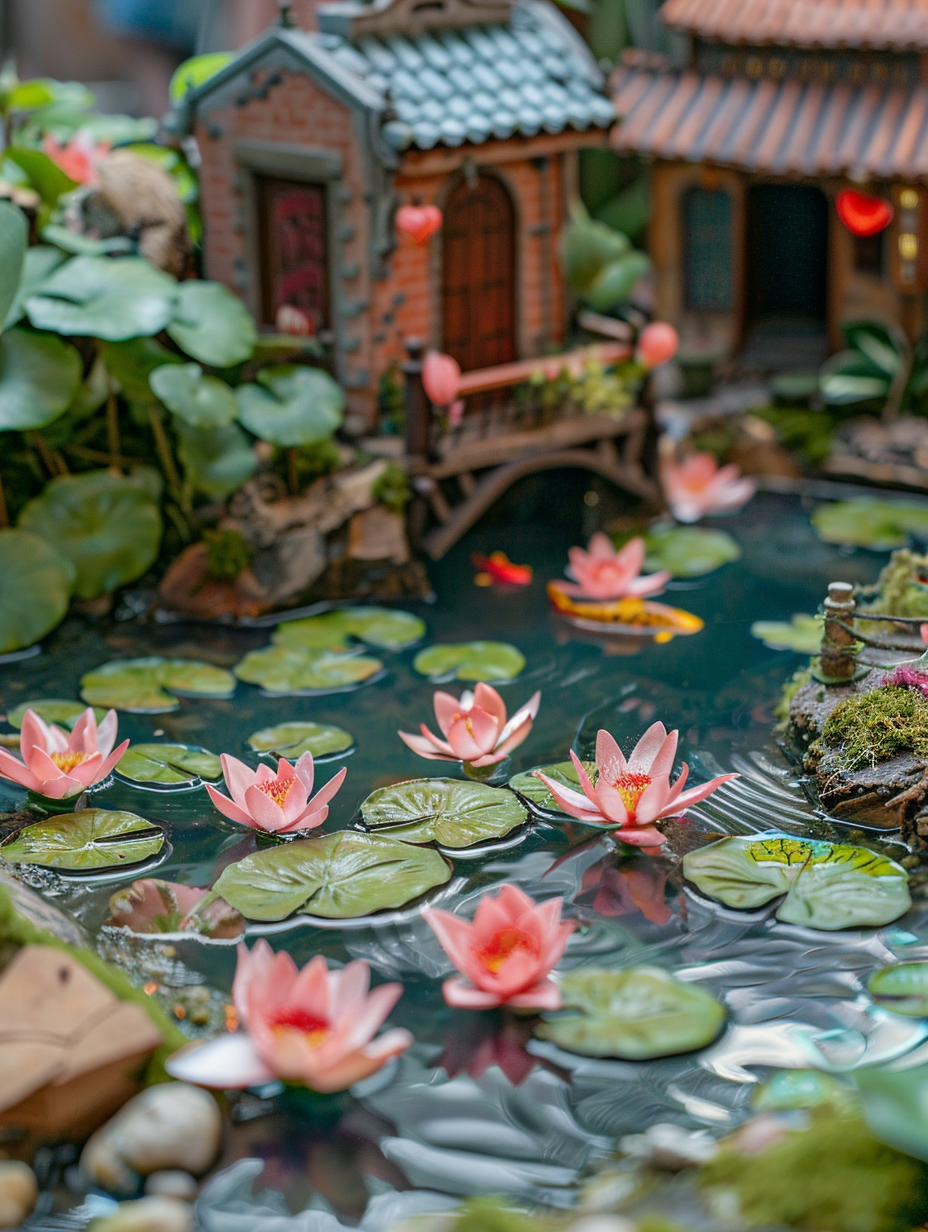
column 172, row 1184
column 19, row 1192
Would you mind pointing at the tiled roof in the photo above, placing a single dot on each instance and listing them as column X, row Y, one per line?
column 887, row 24
column 783, row 128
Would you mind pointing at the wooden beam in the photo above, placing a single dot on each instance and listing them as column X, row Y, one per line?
column 416, row 163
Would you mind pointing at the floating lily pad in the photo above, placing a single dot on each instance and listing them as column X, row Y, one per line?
column 486, row 661
column 55, row 710
column 383, row 627
column 534, row 791
column 902, row 988
column 169, row 765
column 689, row 551
column 292, row 740
column 92, row 840
column 827, row 885
column 870, row 523
column 335, row 876
column 452, row 812
column 286, row 669
column 635, row 1014
column 803, row 633
column 141, row 685
column 35, row 590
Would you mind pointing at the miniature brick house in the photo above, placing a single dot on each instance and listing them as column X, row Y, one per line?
column 782, row 103
column 310, row 140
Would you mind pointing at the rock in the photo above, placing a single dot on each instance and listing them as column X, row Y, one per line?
column 19, row 1191
column 172, row 1184
column 188, row 589
column 147, row 1215
column 670, row 1147
column 602, row 1223
column 167, row 1127
column 294, row 561
column 378, row 534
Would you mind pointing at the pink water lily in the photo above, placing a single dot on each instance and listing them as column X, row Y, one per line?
column 601, row 572
column 276, row 803
column 475, row 728
column 313, row 1026
column 506, row 954
column 59, row 764
column 80, row 158
column 631, row 795
column 698, row 486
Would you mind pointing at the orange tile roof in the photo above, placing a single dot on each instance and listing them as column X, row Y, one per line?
column 887, row 24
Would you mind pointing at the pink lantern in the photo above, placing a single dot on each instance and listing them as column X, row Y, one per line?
column 419, row 221
column 441, row 377
column 657, row 343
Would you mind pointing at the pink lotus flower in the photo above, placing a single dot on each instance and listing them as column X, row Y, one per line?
column 630, row 796
column 80, row 158
column 150, row 905
column 698, row 486
column 312, row 1026
column 277, row 804
column 506, row 954
column 58, row 764
column 601, row 572
column 475, row 728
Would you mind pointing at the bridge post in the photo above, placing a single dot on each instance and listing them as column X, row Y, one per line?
column 418, row 436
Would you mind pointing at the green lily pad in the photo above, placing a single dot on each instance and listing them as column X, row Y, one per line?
column 291, row 405
column 58, row 710
column 292, row 740
column 212, row 324
column 870, row 523
column 216, row 461
column 141, row 685
column 452, row 812
column 199, row 400
column 534, row 791
column 286, row 669
column 107, row 525
column 35, row 591
column 383, row 627
column 803, row 633
column 39, row 377
column 788, row 1089
column 689, row 551
column 169, row 765
column 826, row 885
column 102, row 298
column 336, row 876
column 902, row 988
column 91, row 840
column 486, row 661
column 636, row 1014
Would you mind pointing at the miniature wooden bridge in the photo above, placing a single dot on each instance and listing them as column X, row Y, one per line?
column 459, row 470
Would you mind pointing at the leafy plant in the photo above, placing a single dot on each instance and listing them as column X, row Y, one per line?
column 36, row 589
column 878, row 367
column 599, row 263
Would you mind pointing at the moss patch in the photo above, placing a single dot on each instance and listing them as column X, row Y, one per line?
column 873, row 727
column 902, row 588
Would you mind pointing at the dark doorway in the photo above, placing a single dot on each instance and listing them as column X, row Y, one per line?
column 294, row 250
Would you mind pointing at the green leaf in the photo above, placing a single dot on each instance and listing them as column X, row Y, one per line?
column 14, row 236
column 291, row 405
column 39, row 263
column 106, row 525
column 141, row 685
column 91, row 840
column 539, row 798
column 587, row 247
column 195, row 71
column 870, row 523
column 615, row 281
column 45, row 176
column 60, row 711
column 84, row 245
column 893, row 1098
column 802, row 633
column 216, row 461
column 876, row 342
column 788, row 1089
column 827, row 885
column 39, row 378
column 902, row 988
column 103, row 298
column 843, row 389
column 288, row 670
column 486, row 661
column 212, row 324
column 636, row 1014
column 385, row 628
column 199, row 400
column 174, row 765
column 689, row 551
column 450, row 812
column 36, row 589
column 131, row 364
column 335, row 876
column 292, row 740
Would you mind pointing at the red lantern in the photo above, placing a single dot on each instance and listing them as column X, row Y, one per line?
column 657, row 343
column 863, row 215
column 441, row 378
column 419, row 221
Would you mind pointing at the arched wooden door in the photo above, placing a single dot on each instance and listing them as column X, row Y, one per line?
column 479, row 294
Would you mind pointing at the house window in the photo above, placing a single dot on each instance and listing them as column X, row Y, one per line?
column 707, row 239
column 868, row 254
column 294, row 250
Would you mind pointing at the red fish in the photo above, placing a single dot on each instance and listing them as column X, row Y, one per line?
column 497, row 567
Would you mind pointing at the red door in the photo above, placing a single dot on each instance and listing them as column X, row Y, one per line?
column 479, row 310
column 294, row 257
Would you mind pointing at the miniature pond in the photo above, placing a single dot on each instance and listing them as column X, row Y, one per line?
column 479, row 1105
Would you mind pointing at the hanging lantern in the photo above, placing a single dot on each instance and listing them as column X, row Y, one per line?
column 657, row 343
column 441, row 378
column 419, row 221
column 862, row 214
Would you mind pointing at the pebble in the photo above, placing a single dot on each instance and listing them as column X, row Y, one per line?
column 669, row 1146
column 173, row 1184
column 19, row 1192
column 148, row 1215
column 167, row 1127
column 602, row 1223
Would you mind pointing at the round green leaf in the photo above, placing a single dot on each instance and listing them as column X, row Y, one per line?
column 40, row 261
column 335, row 876
column 61, row 712
column 615, row 281
column 291, row 405
column 106, row 525
column 103, row 298
column 292, row 740
column 803, row 633
column 452, row 812
column 45, row 176
column 286, row 669
column 587, row 247
column 212, row 324
column 140, row 685
column 132, row 362
column 169, row 765
column 36, row 589
column 902, row 988
column 199, row 400
column 14, row 238
column 533, row 790
column 870, row 523
column 486, row 661
column 689, row 551
column 385, row 628
column 92, row 840
column 636, row 1014
column 827, row 885
column 39, row 377
column 216, row 461
column 195, row 71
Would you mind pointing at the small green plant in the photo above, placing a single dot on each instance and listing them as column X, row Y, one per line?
column 228, row 553
column 304, row 464
column 393, row 489
column 390, row 402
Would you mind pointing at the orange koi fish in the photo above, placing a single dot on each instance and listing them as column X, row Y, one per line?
column 497, row 567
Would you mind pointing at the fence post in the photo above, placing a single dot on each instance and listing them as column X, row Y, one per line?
column 418, row 437
column 838, row 660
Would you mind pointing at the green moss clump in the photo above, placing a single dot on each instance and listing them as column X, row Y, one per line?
column 902, row 589
column 832, row 1177
column 489, row 1215
column 802, row 431
column 392, row 489
column 228, row 553
column 873, row 727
